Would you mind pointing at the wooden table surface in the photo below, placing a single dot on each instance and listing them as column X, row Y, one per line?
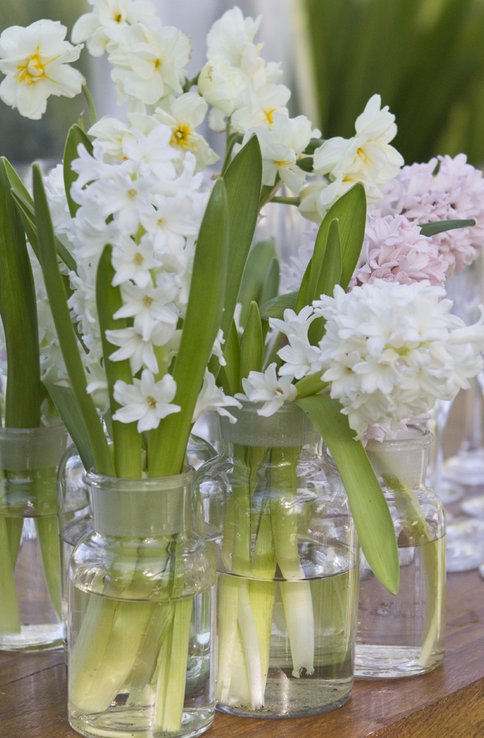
column 447, row 703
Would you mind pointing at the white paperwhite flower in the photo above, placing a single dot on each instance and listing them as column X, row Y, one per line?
column 222, row 86
column 35, row 61
column 145, row 401
column 367, row 157
column 268, row 388
column 281, row 145
column 391, row 350
column 106, row 20
column 230, row 36
column 213, row 398
column 183, row 115
column 148, row 63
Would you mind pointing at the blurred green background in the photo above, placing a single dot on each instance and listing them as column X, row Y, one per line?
column 426, row 59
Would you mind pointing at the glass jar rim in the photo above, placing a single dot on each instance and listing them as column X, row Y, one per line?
column 172, row 481
column 411, row 438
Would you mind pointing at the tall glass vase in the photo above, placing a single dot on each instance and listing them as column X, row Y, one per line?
column 30, row 570
column 403, row 635
column 140, row 630
column 287, row 568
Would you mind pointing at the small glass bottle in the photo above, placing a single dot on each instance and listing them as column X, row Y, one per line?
column 30, row 568
column 140, row 628
column 287, row 568
column 403, row 635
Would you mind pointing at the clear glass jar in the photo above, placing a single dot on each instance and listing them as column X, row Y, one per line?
column 75, row 507
column 403, row 635
column 30, row 570
column 141, row 593
column 287, row 568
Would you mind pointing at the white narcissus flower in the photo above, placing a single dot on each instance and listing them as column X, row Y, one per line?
column 148, row 63
column 145, row 401
column 268, row 388
column 213, row 398
column 230, row 35
column 281, row 145
column 134, row 261
column 183, row 115
column 35, row 61
column 367, row 157
column 392, row 350
column 106, row 20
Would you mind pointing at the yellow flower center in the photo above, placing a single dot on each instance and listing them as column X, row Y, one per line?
column 269, row 114
column 132, row 193
column 32, row 70
column 138, row 258
column 147, row 301
column 181, row 136
column 118, row 17
column 157, row 63
column 151, row 402
column 363, row 154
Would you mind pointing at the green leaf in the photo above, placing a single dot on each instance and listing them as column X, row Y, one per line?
column 252, row 343
column 25, row 205
column 230, row 373
column 275, row 308
column 125, row 436
column 332, row 263
column 439, row 226
column 75, row 138
column 202, row 322
column 370, row 511
column 243, row 182
column 258, row 263
column 66, row 403
column 350, row 212
column 65, row 330
column 18, row 312
column 270, row 286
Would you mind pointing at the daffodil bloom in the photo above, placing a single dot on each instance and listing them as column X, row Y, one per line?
column 35, row 61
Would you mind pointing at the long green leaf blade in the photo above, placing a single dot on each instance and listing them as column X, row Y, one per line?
column 65, row 330
column 202, row 322
column 18, row 311
column 125, row 436
column 367, row 502
column 243, row 183
column 75, row 138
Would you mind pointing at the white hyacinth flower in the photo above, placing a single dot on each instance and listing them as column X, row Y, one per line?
column 392, row 350
column 36, row 63
column 213, row 398
column 145, row 401
column 268, row 388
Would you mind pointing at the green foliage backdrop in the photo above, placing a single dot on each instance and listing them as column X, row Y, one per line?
column 426, row 59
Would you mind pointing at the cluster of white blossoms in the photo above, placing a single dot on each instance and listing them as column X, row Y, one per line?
column 247, row 98
column 147, row 59
column 142, row 195
column 366, row 157
column 389, row 352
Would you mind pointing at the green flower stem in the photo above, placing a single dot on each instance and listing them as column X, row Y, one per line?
column 48, row 535
column 417, row 532
column 295, row 592
column 9, row 610
column 91, row 108
column 172, row 669
column 104, row 653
